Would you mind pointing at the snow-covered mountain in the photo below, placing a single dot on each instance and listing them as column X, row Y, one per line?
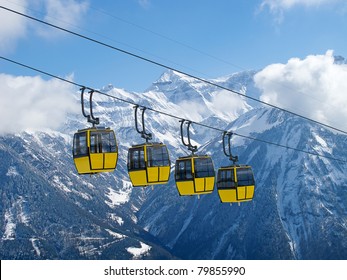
column 298, row 212
column 299, row 208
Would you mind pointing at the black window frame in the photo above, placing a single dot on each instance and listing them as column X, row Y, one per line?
column 245, row 176
column 102, row 142
column 157, row 156
column 80, row 146
column 109, row 142
column 226, row 179
column 203, row 167
column 136, row 158
column 183, row 170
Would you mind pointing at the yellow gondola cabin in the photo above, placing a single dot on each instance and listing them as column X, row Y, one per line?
column 148, row 164
column 235, row 183
column 194, row 175
column 95, row 150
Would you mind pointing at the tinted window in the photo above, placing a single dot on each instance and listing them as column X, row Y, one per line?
column 103, row 142
column 80, row 144
column 245, row 176
column 95, row 142
column 183, row 170
column 226, row 178
column 136, row 158
column 203, row 167
column 108, row 142
column 157, row 156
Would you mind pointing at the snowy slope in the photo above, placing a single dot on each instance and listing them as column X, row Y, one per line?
column 198, row 100
column 299, row 209
column 50, row 212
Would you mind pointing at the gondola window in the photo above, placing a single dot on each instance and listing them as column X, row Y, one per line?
column 136, row 159
column 80, row 144
column 184, row 170
column 244, row 177
column 203, row 167
column 157, row 156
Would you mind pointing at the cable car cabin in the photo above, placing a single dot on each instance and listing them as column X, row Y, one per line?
column 95, row 150
column 194, row 175
column 235, row 183
column 148, row 164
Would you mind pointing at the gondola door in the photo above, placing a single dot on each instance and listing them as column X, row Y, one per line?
column 203, row 174
column 158, row 164
column 95, row 151
column 137, row 166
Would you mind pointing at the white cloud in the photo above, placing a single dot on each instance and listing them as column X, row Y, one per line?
column 314, row 87
column 64, row 13
column 287, row 4
column 12, row 26
column 278, row 7
column 228, row 105
column 31, row 103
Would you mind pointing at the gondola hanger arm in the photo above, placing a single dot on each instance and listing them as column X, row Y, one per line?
column 144, row 134
column 94, row 120
column 227, row 151
column 82, row 103
column 192, row 148
column 90, row 117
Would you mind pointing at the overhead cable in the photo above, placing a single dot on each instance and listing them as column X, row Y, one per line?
column 173, row 69
column 171, row 115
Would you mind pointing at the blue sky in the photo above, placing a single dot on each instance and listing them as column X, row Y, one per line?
column 292, row 42
column 205, row 38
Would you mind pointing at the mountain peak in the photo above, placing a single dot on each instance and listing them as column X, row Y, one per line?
column 170, row 77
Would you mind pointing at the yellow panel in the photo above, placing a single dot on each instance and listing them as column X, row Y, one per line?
column 153, row 174
column 110, row 160
column 250, row 192
column 204, row 185
column 227, row 195
column 97, row 161
column 241, row 193
column 138, row 178
column 209, row 184
column 199, row 185
column 82, row 165
column 158, row 175
column 185, row 187
column 164, row 173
